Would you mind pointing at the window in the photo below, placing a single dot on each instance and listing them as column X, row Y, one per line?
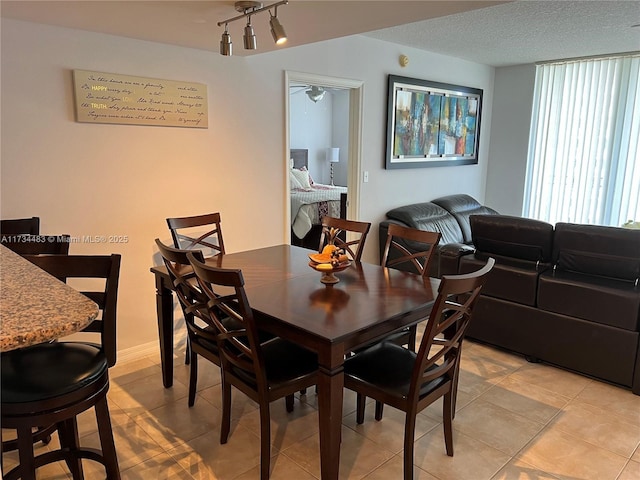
column 583, row 161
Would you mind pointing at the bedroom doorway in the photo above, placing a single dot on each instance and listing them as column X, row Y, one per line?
column 345, row 135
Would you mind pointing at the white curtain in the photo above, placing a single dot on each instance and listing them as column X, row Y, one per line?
column 583, row 159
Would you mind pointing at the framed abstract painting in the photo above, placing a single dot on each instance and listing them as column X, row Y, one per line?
column 431, row 124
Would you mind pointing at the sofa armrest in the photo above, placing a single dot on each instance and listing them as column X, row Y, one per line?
column 456, row 250
column 450, row 255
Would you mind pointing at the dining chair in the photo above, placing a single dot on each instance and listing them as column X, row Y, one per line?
column 263, row 371
column 201, row 334
column 52, row 383
column 411, row 381
column 37, row 244
column 200, row 338
column 199, row 231
column 353, row 247
column 18, row 226
column 412, row 250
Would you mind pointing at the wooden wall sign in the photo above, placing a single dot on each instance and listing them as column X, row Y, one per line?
column 121, row 99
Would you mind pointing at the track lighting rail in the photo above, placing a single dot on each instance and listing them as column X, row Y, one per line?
column 249, row 11
column 250, row 8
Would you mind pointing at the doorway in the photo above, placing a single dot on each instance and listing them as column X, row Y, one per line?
column 312, row 86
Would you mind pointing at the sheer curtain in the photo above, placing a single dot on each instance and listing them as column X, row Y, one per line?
column 583, row 161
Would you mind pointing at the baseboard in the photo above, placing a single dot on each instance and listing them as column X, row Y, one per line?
column 138, row 352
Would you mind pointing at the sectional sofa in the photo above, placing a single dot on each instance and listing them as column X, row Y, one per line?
column 448, row 215
column 566, row 294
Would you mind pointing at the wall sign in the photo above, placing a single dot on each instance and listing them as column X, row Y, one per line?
column 121, row 99
column 431, row 124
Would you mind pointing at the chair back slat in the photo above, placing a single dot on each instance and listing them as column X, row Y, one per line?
column 353, row 247
column 18, row 226
column 238, row 341
column 418, row 258
column 441, row 345
column 187, row 232
column 185, row 285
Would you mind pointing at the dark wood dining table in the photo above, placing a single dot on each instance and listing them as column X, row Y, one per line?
column 288, row 299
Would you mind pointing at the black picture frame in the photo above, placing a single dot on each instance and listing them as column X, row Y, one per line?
column 431, row 124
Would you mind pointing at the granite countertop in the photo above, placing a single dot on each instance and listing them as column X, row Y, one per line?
column 36, row 307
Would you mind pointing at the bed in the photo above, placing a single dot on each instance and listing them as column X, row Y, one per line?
column 311, row 201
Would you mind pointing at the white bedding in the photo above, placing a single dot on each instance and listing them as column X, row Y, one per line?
column 306, row 206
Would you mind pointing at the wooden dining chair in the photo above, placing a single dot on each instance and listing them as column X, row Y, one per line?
column 202, row 232
column 197, row 232
column 412, row 250
column 52, row 383
column 263, row 371
column 201, row 338
column 193, row 301
column 353, row 247
column 411, row 381
column 20, row 226
column 37, row 244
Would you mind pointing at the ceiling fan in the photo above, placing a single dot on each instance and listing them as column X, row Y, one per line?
column 314, row 92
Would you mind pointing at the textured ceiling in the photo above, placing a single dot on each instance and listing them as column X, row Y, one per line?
column 490, row 32
column 526, row 31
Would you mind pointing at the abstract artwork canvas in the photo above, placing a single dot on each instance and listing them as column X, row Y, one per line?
column 431, row 124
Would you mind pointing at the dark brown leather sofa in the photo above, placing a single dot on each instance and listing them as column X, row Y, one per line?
column 448, row 215
column 568, row 295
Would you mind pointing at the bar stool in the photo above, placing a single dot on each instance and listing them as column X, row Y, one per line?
column 52, row 383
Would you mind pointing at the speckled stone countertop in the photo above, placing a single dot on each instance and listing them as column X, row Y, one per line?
column 36, row 307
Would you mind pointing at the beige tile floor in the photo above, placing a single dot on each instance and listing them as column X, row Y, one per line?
column 515, row 420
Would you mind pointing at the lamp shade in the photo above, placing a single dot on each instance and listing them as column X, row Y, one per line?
column 333, row 154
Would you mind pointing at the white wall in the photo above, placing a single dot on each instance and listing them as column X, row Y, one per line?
column 510, row 138
column 318, row 126
column 90, row 179
column 310, row 128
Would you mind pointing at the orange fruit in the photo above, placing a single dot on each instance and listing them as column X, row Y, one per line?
column 328, row 249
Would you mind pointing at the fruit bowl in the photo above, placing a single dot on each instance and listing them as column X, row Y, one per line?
column 328, row 270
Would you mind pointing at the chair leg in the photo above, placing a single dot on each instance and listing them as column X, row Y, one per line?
column 379, row 408
column 225, row 427
column 25, row 452
column 411, row 344
column 360, row 405
column 265, row 441
column 68, row 435
column 193, row 378
column 447, row 419
column 409, row 436
column 187, row 352
column 289, row 403
column 107, row 443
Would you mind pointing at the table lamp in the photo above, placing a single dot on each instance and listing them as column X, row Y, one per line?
column 333, row 155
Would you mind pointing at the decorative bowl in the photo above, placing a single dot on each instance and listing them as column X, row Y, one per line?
column 328, row 276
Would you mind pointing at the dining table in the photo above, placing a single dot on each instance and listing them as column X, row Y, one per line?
column 289, row 300
column 36, row 307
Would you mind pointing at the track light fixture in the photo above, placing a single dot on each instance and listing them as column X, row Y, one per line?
column 248, row 9
column 249, row 37
column 226, row 47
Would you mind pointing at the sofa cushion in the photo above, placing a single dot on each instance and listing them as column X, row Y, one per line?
column 508, row 236
column 596, row 250
column 430, row 217
column 462, row 206
column 589, row 297
column 510, row 279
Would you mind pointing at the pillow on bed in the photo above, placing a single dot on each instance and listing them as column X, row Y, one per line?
column 304, row 169
column 294, row 184
column 302, row 178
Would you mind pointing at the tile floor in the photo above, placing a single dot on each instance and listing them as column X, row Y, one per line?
column 515, row 420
